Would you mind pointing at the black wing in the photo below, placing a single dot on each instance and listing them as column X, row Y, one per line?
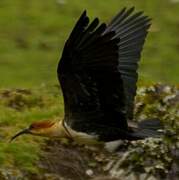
column 91, row 83
column 98, row 71
column 132, row 29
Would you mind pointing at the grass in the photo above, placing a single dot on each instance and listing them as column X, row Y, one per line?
column 18, row 110
column 32, row 35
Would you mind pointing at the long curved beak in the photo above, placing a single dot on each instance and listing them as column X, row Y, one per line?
column 25, row 131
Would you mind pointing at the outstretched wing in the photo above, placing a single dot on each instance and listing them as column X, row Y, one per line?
column 132, row 29
column 91, row 83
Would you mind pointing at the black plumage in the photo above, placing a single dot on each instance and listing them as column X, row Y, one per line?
column 98, row 75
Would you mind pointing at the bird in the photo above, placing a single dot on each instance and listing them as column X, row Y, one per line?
column 98, row 73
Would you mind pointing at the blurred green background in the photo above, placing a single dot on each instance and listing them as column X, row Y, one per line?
column 32, row 35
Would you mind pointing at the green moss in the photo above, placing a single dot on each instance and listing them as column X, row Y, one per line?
column 153, row 157
column 18, row 108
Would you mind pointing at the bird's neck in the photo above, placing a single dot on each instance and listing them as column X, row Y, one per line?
column 58, row 130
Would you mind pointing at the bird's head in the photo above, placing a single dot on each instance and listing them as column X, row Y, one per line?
column 43, row 128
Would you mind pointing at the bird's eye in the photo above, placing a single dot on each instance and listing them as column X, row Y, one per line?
column 31, row 126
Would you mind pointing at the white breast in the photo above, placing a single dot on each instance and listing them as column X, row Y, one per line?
column 81, row 137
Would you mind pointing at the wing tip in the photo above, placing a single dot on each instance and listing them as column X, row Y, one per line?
column 84, row 12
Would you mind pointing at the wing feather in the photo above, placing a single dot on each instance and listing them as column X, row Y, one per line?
column 98, row 72
column 88, row 73
column 132, row 29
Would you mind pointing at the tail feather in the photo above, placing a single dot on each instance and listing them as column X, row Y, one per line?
column 153, row 124
column 145, row 133
column 148, row 128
